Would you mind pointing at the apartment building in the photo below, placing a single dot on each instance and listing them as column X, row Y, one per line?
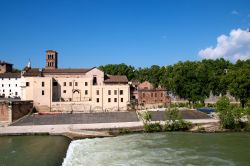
column 9, row 82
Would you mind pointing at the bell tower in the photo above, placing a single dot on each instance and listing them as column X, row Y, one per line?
column 51, row 59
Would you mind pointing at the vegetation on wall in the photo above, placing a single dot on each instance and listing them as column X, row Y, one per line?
column 231, row 116
column 174, row 122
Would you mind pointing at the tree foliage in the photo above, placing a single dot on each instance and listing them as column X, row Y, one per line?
column 193, row 80
column 230, row 117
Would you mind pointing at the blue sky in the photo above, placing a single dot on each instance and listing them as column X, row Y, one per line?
column 90, row 33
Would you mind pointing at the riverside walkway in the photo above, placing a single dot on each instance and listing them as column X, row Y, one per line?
column 89, row 125
column 103, row 117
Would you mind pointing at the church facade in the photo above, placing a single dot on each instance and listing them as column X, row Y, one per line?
column 73, row 90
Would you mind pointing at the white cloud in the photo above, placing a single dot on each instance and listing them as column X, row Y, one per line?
column 233, row 47
column 235, row 12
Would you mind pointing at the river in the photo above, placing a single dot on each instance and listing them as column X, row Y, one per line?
column 32, row 150
column 155, row 149
column 161, row 149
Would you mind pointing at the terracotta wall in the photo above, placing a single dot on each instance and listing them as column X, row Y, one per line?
column 12, row 110
column 4, row 114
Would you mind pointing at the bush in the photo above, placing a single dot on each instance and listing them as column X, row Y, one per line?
column 179, row 125
column 173, row 114
column 230, row 116
column 210, row 105
column 175, row 122
column 152, row 127
column 180, row 105
column 198, row 105
column 145, row 116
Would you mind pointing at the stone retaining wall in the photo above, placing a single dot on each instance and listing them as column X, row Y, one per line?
column 11, row 111
column 82, row 107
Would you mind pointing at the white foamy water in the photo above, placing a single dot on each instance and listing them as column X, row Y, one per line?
column 155, row 150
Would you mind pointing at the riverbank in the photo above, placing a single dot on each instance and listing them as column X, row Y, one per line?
column 76, row 131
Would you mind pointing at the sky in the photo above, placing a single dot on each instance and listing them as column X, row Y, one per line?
column 88, row 33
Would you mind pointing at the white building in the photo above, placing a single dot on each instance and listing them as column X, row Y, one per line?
column 10, row 83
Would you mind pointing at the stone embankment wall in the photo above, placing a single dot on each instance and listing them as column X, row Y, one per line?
column 82, row 107
column 11, row 111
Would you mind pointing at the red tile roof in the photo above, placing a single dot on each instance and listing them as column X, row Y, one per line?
column 67, row 71
column 116, row 79
column 10, row 75
column 35, row 72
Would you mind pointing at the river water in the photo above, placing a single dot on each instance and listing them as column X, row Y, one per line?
column 156, row 149
column 161, row 149
column 32, row 150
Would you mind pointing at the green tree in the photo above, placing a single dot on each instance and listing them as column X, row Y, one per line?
column 230, row 117
column 119, row 69
column 190, row 81
column 239, row 79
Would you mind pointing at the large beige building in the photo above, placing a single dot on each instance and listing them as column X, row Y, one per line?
column 77, row 90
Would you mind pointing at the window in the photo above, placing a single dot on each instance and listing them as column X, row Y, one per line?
column 54, row 83
column 64, row 91
column 97, row 100
column 115, row 92
column 94, row 80
column 86, row 83
column 70, row 83
column 16, row 93
column 16, row 85
column 9, row 85
column 155, row 94
column 27, row 84
column 43, row 84
column 76, row 83
column 161, row 94
column 97, row 92
column 10, row 90
column 109, row 92
column 64, row 84
column 109, row 100
column 152, row 95
column 86, row 92
column 115, row 100
column 121, row 92
column 2, row 85
column 3, row 90
column 121, row 99
column 42, row 92
column 143, row 94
